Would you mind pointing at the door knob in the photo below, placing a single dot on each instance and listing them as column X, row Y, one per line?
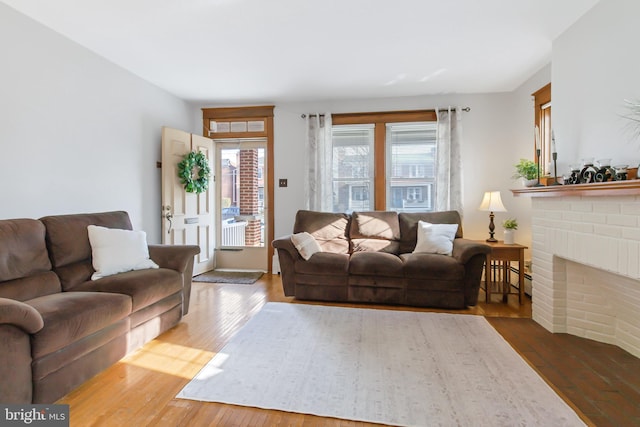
column 169, row 218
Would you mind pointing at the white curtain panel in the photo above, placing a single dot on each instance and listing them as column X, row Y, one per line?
column 318, row 187
column 449, row 163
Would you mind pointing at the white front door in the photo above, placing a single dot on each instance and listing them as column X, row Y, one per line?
column 187, row 218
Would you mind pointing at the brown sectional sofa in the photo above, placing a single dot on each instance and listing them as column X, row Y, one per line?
column 368, row 257
column 58, row 327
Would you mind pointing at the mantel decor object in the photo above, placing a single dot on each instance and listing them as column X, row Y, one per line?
column 554, row 156
column 538, row 156
column 528, row 170
column 604, row 172
column 538, row 138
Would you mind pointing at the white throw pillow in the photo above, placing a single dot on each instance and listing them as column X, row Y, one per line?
column 435, row 238
column 116, row 251
column 305, row 244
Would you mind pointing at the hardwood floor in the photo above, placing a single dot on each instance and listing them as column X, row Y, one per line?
column 600, row 381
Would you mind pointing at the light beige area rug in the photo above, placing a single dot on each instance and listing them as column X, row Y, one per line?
column 383, row 366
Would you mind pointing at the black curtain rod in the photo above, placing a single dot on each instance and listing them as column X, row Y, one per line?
column 304, row 116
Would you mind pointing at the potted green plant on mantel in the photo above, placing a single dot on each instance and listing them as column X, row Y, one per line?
column 510, row 226
column 528, row 171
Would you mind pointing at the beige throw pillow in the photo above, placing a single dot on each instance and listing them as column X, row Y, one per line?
column 305, row 244
column 435, row 238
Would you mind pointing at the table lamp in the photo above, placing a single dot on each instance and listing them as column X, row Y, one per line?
column 493, row 203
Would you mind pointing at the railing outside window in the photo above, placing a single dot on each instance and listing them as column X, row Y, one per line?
column 233, row 233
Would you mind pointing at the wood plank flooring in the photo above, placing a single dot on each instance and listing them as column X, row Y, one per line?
column 600, row 381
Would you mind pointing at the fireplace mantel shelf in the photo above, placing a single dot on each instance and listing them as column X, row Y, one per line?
column 612, row 188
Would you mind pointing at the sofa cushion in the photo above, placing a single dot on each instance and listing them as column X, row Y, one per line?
column 68, row 242
column 376, row 264
column 67, row 236
column 324, row 263
column 409, row 226
column 145, row 287
column 70, row 316
column 115, row 251
column 377, row 231
column 24, row 261
column 36, row 285
column 432, row 266
column 329, row 229
column 54, row 361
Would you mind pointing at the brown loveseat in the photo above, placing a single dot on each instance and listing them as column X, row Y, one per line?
column 368, row 257
column 58, row 327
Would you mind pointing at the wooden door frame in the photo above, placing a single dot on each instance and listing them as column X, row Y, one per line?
column 238, row 114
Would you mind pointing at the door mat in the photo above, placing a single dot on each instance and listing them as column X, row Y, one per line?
column 236, row 277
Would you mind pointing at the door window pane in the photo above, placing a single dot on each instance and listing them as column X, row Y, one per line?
column 242, row 197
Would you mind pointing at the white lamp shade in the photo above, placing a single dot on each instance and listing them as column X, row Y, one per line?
column 492, row 202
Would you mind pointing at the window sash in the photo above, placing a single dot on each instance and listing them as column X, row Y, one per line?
column 353, row 167
column 411, row 166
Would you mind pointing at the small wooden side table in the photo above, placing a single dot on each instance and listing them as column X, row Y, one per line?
column 500, row 257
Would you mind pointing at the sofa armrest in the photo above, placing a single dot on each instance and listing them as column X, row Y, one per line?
column 21, row 315
column 288, row 255
column 286, row 244
column 464, row 249
column 180, row 259
column 175, row 257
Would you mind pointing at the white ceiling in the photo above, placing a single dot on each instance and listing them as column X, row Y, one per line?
column 249, row 51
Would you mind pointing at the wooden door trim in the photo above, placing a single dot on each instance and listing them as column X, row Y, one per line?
column 248, row 113
column 237, row 112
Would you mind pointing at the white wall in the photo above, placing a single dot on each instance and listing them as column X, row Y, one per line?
column 595, row 67
column 77, row 133
column 492, row 145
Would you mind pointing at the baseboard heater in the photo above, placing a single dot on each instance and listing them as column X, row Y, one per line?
column 514, row 276
column 527, row 277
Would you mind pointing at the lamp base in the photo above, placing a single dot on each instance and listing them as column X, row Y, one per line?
column 492, row 227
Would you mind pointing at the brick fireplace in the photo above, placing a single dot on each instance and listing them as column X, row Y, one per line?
column 586, row 261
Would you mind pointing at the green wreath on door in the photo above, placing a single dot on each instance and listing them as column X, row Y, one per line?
column 194, row 172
